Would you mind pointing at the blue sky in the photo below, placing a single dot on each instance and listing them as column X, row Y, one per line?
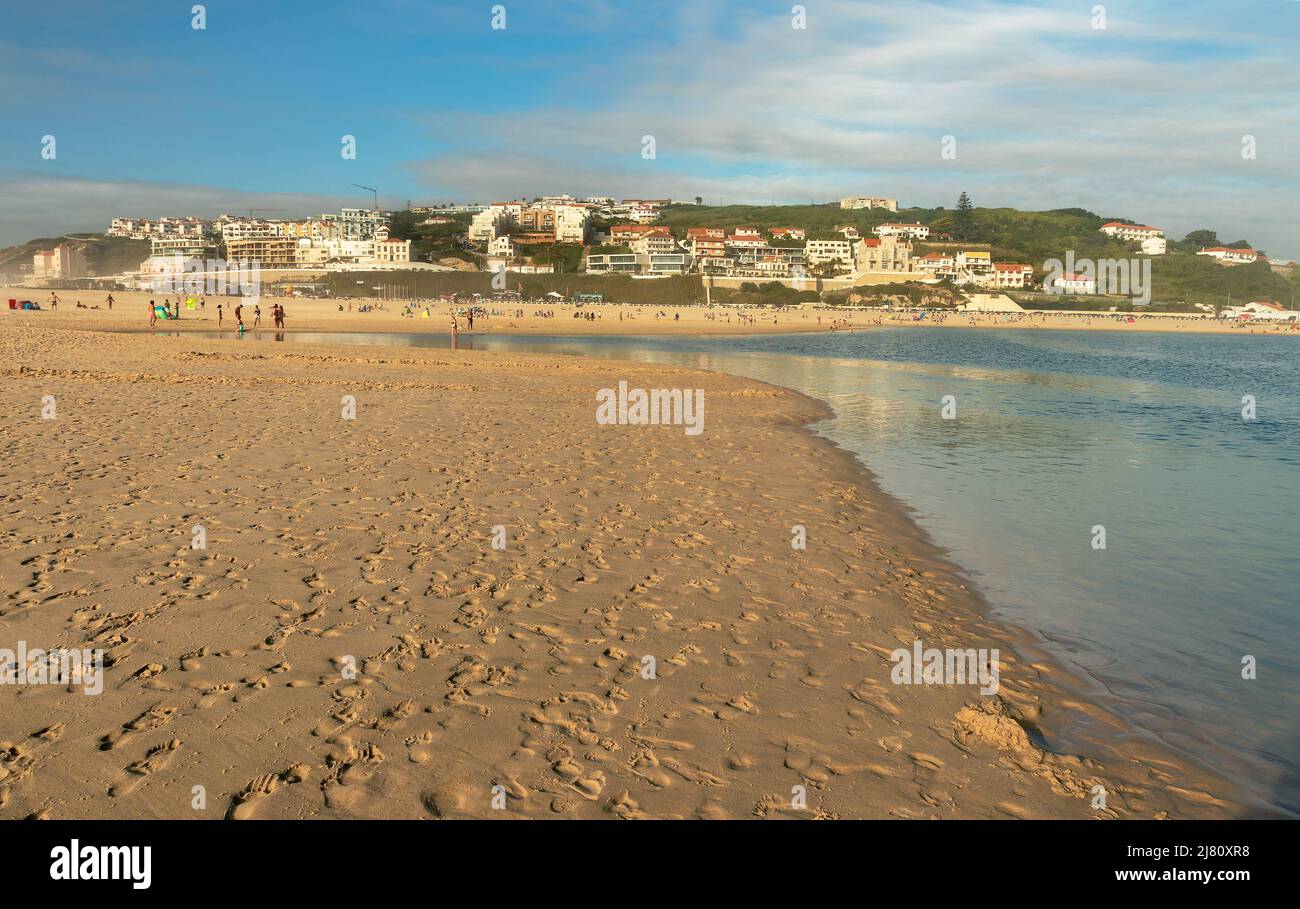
column 1143, row 118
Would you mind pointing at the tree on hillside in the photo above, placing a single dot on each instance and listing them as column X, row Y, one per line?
column 1202, row 238
column 963, row 220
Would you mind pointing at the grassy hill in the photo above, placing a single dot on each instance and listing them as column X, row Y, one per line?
column 104, row 255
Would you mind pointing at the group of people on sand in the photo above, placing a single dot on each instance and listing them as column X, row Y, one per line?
column 173, row 310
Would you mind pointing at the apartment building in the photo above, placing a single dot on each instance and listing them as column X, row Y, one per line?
column 618, row 263
column 911, row 231
column 654, row 242
column 245, row 229
column 497, row 218
column 566, row 222
column 884, row 254
column 860, row 202
column 388, row 251
column 358, row 223
column 572, row 224
column 266, row 252
column 1136, row 232
column 145, row 229
column 307, row 229
column 63, row 261
column 707, row 247
column 974, row 261
column 824, row 252
column 1012, row 275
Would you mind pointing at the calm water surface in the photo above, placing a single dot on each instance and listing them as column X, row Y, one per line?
column 1056, row 432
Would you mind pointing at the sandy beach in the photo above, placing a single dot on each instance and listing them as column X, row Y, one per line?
column 130, row 311
column 349, row 642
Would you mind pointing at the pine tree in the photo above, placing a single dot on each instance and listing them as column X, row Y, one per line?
column 963, row 221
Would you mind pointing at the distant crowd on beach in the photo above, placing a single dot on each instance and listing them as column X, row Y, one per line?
column 171, row 309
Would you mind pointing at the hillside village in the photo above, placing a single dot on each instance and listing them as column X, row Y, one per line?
column 817, row 251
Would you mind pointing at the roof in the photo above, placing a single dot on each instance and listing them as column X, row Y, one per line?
column 1011, row 266
column 1131, row 226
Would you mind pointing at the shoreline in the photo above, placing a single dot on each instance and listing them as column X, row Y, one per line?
column 926, row 590
column 322, row 315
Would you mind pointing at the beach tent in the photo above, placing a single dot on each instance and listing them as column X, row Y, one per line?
column 160, row 310
column 191, row 303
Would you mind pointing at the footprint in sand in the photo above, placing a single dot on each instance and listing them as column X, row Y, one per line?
column 247, row 802
column 157, row 758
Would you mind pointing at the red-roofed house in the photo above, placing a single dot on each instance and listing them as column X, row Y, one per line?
column 788, row 233
column 1012, row 274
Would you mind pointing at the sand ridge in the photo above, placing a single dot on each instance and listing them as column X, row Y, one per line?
column 350, row 644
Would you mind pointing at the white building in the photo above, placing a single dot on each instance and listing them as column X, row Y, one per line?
column 1230, row 256
column 248, row 230
column 497, row 218
column 1155, row 246
column 358, row 223
column 387, row 251
column 819, row 252
column 856, row 202
column 1012, row 275
column 1070, row 284
column 1122, row 231
column 914, row 231
column 572, row 224
column 974, row 261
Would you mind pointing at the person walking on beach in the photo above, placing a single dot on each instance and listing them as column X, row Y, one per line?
column 454, row 327
column 218, row 315
column 109, row 301
column 153, row 314
column 257, row 316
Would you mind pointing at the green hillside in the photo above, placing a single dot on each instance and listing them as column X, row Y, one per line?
column 1031, row 237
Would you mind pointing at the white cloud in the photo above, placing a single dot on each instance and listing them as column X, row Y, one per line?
column 1143, row 119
